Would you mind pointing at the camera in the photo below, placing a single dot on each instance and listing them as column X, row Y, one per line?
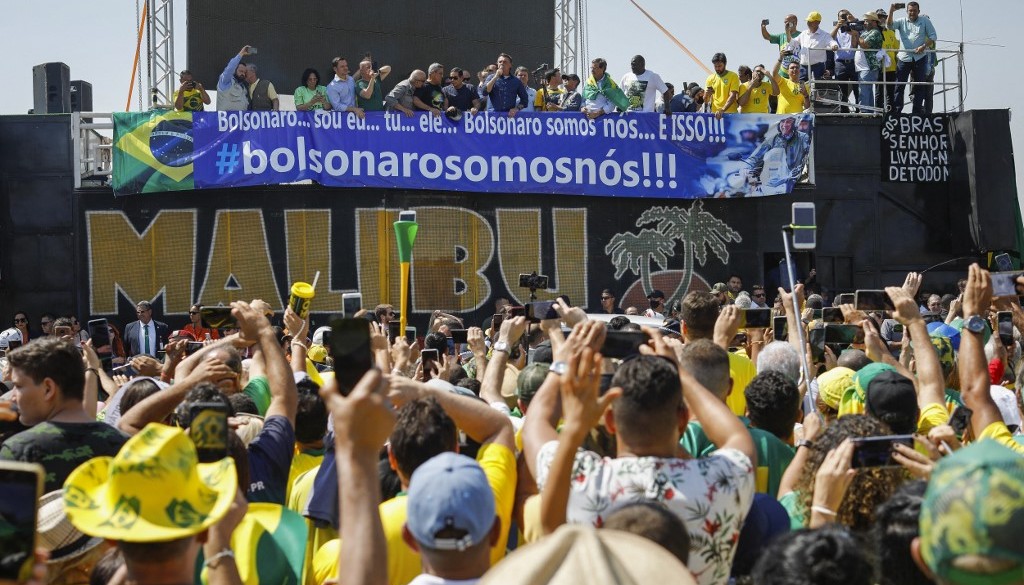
column 857, row 25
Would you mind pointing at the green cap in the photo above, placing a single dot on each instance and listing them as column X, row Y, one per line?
column 974, row 506
column 405, row 235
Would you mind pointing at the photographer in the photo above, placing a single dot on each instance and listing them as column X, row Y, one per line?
column 843, row 32
column 191, row 95
column 868, row 67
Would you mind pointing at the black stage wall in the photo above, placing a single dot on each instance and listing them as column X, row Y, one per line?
column 292, row 36
column 91, row 253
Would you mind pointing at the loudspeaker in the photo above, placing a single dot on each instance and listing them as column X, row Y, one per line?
column 81, row 96
column 52, row 88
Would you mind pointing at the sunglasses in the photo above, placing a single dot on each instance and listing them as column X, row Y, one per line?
column 17, row 320
column 193, row 312
column 607, row 298
column 43, row 322
column 759, row 294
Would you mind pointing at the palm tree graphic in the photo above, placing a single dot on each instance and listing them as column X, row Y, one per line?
column 697, row 230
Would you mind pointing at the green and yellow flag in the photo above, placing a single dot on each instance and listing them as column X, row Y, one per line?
column 153, row 152
column 269, row 545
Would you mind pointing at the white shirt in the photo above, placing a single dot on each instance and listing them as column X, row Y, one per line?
column 812, row 46
column 151, row 326
column 425, row 579
column 646, row 87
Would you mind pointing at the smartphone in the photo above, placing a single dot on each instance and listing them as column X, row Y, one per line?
column 606, row 383
column 218, row 317
column 62, row 331
column 897, row 328
column 517, row 311
column 394, row 330
column 407, row 215
column 621, row 344
column 780, row 329
column 1004, row 324
column 410, row 335
column 540, row 310
column 193, row 346
column 1004, row 284
column 98, row 333
column 351, row 303
column 13, row 344
column 832, row 315
column 872, row 300
column 209, row 430
column 805, row 228
column 349, row 347
column 427, row 359
column 844, row 299
column 764, row 22
column 496, row 320
column 756, row 318
column 877, row 451
column 460, row 336
column 252, row 50
column 960, row 418
column 816, row 314
column 816, row 339
column 843, row 334
column 21, row 486
column 533, row 281
column 738, row 342
column 1003, row 262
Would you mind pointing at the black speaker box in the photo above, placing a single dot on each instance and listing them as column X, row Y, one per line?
column 52, row 88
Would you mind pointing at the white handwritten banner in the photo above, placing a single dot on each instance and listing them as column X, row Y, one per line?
column 915, row 148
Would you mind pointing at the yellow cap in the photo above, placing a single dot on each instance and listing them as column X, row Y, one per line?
column 814, row 17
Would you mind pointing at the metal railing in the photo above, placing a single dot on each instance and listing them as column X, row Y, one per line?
column 944, row 83
column 92, row 151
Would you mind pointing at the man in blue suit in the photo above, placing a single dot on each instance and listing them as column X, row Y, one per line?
column 145, row 336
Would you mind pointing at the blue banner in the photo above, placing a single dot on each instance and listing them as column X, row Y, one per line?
column 634, row 155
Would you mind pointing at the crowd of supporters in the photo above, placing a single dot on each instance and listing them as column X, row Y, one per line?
column 853, row 62
column 585, row 446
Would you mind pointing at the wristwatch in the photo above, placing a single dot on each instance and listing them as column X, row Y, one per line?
column 975, row 324
column 560, row 367
column 500, row 346
column 804, row 443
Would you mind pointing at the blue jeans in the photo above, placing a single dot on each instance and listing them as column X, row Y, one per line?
column 920, row 69
column 845, row 71
column 818, row 69
column 867, row 92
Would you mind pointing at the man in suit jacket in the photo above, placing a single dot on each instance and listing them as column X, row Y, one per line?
column 145, row 336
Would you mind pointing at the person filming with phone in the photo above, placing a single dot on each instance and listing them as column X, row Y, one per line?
column 191, row 95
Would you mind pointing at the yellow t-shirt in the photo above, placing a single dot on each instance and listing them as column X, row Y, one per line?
column 997, row 431
column 891, row 44
column 931, row 416
column 742, row 371
column 499, row 465
column 315, row 537
column 724, row 85
column 790, row 102
column 301, row 463
column 758, row 102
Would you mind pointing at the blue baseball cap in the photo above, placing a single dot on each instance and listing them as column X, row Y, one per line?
column 450, row 493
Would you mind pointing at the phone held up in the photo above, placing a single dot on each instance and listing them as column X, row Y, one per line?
column 21, row 486
column 349, row 347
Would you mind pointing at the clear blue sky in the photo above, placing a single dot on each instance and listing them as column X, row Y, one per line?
column 97, row 40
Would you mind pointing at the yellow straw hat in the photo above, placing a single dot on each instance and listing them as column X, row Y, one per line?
column 153, row 490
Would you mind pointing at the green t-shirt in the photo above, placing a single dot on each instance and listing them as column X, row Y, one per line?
column 303, row 95
column 773, row 456
column 376, row 101
column 797, row 515
column 782, row 40
column 258, row 389
column 60, row 447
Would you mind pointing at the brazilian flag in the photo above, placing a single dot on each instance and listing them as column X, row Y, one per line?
column 269, row 545
column 153, row 152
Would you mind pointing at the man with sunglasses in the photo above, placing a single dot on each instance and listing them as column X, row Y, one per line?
column 609, row 304
column 460, row 94
column 145, row 336
column 758, row 298
column 385, row 315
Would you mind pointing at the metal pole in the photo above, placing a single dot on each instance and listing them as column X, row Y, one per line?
column 804, row 365
column 960, row 75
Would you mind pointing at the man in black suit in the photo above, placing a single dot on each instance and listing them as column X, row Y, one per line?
column 145, row 336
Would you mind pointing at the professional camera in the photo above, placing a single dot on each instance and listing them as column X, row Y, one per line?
column 857, row 25
column 533, row 281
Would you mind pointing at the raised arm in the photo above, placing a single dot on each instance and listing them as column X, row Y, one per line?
column 362, row 422
column 931, row 385
column 479, row 421
column 298, row 327
column 508, row 337
column 158, row 406
column 975, row 388
column 254, row 326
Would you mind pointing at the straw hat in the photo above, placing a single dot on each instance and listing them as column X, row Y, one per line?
column 153, row 490
column 57, row 534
